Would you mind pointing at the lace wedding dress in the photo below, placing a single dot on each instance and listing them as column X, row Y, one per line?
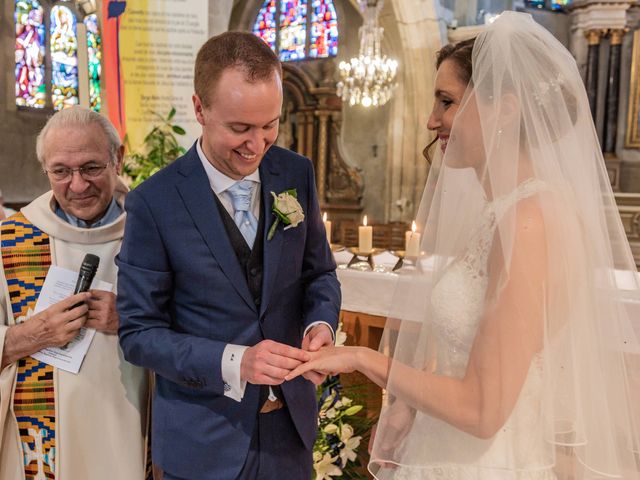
column 458, row 300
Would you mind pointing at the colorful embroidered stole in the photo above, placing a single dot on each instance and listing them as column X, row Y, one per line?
column 26, row 259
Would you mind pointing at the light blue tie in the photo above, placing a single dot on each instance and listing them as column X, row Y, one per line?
column 240, row 193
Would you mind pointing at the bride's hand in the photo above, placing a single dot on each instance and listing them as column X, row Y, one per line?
column 395, row 424
column 328, row 361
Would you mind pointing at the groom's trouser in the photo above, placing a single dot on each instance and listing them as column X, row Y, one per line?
column 276, row 451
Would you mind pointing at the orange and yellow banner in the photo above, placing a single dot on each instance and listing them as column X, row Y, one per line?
column 158, row 42
column 112, row 12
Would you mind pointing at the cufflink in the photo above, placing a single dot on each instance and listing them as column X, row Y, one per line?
column 227, row 387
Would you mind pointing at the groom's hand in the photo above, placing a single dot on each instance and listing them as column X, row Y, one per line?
column 318, row 337
column 268, row 362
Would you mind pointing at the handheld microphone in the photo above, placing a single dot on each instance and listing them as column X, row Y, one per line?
column 87, row 273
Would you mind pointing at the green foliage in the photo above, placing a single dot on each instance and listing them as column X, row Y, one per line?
column 160, row 148
column 342, row 432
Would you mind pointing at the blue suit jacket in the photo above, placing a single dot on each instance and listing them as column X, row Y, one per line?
column 182, row 296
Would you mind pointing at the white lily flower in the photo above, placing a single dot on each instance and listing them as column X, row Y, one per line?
column 351, row 443
column 325, row 468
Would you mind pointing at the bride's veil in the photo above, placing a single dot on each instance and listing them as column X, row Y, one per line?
column 526, row 268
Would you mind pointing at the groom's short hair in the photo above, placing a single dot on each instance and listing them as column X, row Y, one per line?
column 233, row 50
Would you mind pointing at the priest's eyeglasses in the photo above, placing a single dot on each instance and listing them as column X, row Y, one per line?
column 88, row 172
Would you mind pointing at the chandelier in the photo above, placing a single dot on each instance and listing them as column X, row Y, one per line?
column 368, row 78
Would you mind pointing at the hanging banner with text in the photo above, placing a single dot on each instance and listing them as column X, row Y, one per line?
column 159, row 41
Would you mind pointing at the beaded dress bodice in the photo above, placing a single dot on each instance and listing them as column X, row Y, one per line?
column 458, row 300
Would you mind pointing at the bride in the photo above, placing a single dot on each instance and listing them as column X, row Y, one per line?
column 508, row 354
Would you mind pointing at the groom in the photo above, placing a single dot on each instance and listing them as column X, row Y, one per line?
column 216, row 306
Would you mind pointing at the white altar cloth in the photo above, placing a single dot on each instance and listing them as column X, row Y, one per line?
column 372, row 292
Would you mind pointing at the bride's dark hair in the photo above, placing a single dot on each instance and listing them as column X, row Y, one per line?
column 460, row 54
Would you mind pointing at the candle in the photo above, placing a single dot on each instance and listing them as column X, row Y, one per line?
column 412, row 242
column 327, row 227
column 365, row 237
column 407, row 236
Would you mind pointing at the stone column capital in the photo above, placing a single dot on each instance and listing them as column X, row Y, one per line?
column 617, row 34
column 322, row 114
column 598, row 16
column 594, row 35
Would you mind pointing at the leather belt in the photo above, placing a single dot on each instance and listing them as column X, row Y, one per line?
column 272, row 405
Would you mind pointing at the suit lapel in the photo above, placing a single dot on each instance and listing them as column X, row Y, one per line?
column 198, row 198
column 273, row 180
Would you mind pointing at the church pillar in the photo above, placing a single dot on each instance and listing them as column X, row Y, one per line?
column 593, row 55
column 593, row 18
column 611, row 107
column 420, row 36
column 613, row 88
column 323, row 143
column 301, row 129
column 309, row 136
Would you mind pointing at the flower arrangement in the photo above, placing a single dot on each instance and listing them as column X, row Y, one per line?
column 286, row 209
column 340, row 430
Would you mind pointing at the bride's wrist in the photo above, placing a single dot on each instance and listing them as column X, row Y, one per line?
column 361, row 358
column 372, row 364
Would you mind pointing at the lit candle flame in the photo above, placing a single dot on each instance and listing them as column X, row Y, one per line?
column 324, row 217
column 364, row 221
column 413, row 226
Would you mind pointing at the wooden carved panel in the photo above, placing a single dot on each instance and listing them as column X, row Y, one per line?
column 310, row 125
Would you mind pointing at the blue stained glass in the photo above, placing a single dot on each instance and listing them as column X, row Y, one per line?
column 558, row 5
column 553, row 5
column 64, row 58
column 293, row 29
column 324, row 29
column 265, row 24
column 29, row 54
column 94, row 57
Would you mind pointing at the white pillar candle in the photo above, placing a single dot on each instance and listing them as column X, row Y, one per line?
column 327, row 227
column 365, row 237
column 412, row 245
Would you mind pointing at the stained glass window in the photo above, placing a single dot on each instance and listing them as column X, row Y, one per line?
column 284, row 24
column 63, row 45
column 293, row 29
column 324, row 29
column 553, row 5
column 265, row 25
column 558, row 5
column 30, row 54
column 94, row 57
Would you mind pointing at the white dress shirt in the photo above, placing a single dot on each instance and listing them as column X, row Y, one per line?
column 232, row 354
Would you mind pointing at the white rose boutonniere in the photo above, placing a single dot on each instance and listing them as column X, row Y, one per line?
column 286, row 210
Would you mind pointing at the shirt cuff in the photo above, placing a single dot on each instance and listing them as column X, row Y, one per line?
column 320, row 322
column 231, row 360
